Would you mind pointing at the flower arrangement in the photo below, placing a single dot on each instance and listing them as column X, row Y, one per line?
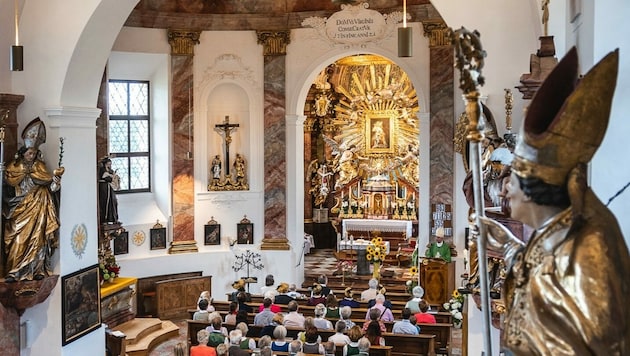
column 413, row 279
column 108, row 268
column 376, row 250
column 454, row 306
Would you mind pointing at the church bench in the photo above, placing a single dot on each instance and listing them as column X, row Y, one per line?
column 146, row 291
column 422, row 344
column 442, row 332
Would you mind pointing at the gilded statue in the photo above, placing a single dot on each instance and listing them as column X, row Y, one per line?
column 31, row 211
column 566, row 288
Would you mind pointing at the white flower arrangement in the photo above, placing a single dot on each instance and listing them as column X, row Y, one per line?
column 454, row 306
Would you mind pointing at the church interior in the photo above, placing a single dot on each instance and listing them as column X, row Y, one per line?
column 197, row 143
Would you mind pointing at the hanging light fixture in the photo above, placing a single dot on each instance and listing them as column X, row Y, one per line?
column 405, row 37
column 17, row 51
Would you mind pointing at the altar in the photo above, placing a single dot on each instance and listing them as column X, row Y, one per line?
column 369, row 225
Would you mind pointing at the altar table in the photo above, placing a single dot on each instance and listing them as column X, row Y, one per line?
column 369, row 225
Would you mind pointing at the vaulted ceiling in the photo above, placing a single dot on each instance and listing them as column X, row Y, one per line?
column 234, row 15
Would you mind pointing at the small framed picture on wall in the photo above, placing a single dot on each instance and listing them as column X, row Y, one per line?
column 158, row 237
column 212, row 232
column 245, row 232
column 121, row 243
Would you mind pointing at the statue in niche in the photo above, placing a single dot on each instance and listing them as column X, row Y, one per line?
column 239, row 168
column 216, row 168
column 108, row 183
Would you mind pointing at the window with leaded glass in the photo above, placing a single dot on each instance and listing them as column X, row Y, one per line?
column 129, row 121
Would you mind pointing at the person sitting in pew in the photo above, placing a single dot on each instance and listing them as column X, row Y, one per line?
column 294, row 347
column 312, row 344
column 280, row 343
column 240, row 287
column 371, row 292
column 322, row 280
column 222, row 350
column 414, row 322
column 364, row 346
column 264, row 341
column 202, row 349
column 329, row 348
column 374, row 315
column 344, row 314
column 202, row 313
column 269, row 284
column 423, row 316
column 320, row 321
column 316, row 296
column 247, row 343
column 241, row 298
column 242, row 317
column 339, row 337
column 206, row 295
column 235, row 344
column 332, row 307
column 379, row 304
column 266, row 315
column 348, row 299
column 413, row 303
column 283, row 297
column 270, row 328
column 230, row 317
column 374, row 334
column 404, row 326
column 216, row 337
column 387, row 303
column 293, row 293
column 274, row 307
column 293, row 318
column 354, row 334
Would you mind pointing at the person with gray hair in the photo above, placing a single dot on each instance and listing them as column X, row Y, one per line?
column 344, row 314
column 202, row 348
column 294, row 347
column 413, row 303
column 246, row 342
column 339, row 337
column 372, row 291
column 364, row 346
column 222, row 350
column 385, row 313
column 264, row 341
column 320, row 321
column 235, row 344
column 280, row 343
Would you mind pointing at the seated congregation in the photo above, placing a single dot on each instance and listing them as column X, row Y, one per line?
column 317, row 320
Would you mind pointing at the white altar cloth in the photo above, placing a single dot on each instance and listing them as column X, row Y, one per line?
column 359, row 244
column 369, row 225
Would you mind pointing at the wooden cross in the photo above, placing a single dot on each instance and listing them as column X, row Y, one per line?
column 227, row 128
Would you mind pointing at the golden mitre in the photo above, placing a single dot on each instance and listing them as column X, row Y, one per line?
column 34, row 134
column 566, row 120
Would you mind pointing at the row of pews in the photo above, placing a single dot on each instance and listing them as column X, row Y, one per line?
column 436, row 337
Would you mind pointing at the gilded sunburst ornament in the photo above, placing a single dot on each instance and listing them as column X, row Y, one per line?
column 79, row 239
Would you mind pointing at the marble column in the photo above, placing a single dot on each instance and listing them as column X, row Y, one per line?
column 274, row 50
column 442, row 116
column 308, row 157
column 183, row 191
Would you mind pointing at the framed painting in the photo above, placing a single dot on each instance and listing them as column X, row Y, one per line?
column 81, row 303
column 379, row 133
column 212, row 233
column 157, row 235
column 245, row 232
column 121, row 243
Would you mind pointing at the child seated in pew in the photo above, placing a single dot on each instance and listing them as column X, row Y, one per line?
column 280, row 343
column 414, row 322
column 329, row 348
column 202, row 312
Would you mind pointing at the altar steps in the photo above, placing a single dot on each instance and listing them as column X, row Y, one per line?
column 143, row 334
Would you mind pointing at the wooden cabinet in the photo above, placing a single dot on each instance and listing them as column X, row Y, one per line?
column 438, row 280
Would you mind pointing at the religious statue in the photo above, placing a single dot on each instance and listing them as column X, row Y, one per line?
column 108, row 183
column 439, row 248
column 216, row 167
column 567, row 287
column 239, row 167
column 378, row 135
column 31, row 210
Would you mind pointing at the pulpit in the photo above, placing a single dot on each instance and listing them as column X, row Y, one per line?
column 437, row 277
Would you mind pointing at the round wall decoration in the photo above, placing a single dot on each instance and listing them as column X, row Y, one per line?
column 138, row 237
column 79, row 239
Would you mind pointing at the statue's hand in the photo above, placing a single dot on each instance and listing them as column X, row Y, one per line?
column 499, row 237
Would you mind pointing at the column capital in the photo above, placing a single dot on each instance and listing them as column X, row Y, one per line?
column 438, row 33
column 274, row 42
column 183, row 42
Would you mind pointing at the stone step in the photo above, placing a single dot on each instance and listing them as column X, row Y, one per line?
column 143, row 334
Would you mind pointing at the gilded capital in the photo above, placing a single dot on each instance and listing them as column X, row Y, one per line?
column 438, row 33
column 274, row 42
column 183, row 42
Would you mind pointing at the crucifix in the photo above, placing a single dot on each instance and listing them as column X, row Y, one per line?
column 227, row 128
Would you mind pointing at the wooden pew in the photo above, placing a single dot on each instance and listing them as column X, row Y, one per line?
column 402, row 345
column 442, row 332
column 146, row 291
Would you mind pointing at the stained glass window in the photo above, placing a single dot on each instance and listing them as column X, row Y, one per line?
column 129, row 144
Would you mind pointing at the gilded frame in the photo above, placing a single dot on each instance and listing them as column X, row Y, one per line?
column 81, row 303
column 380, row 132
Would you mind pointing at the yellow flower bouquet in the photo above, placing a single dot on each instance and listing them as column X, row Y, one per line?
column 376, row 252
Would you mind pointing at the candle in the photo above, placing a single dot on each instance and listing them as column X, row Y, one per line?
column 465, row 255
